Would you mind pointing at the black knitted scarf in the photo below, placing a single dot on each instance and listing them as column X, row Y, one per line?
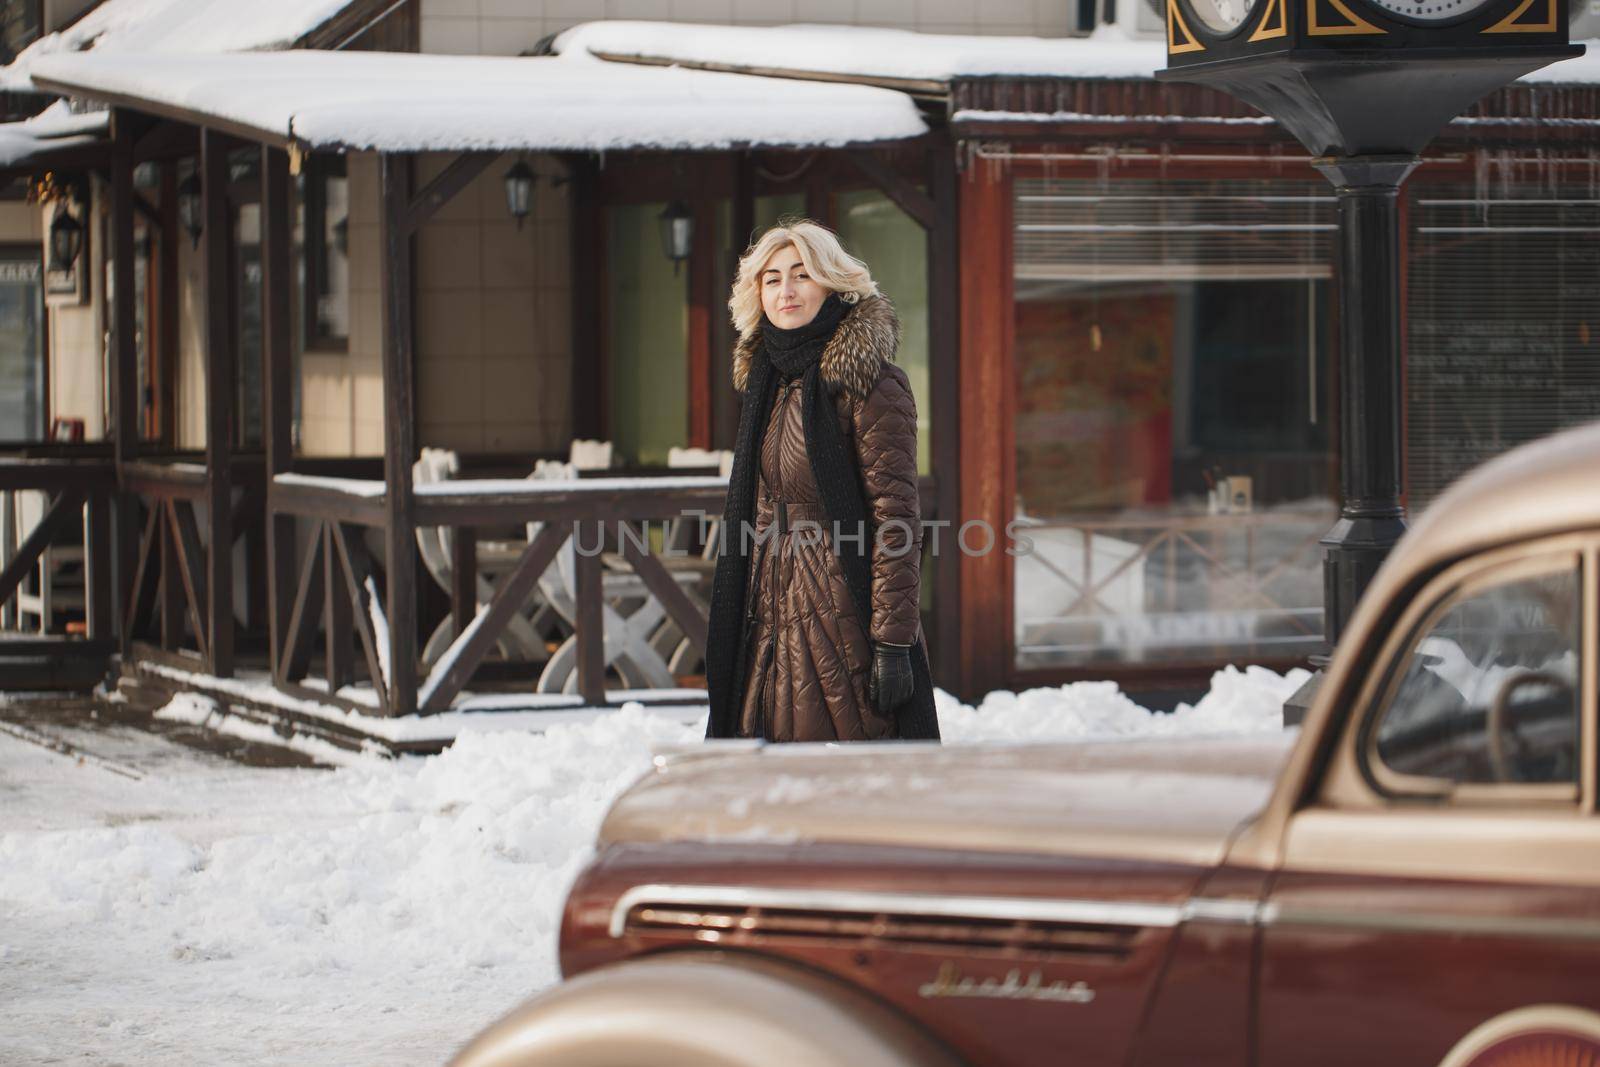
column 782, row 356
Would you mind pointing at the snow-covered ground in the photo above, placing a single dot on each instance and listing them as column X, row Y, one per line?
column 163, row 907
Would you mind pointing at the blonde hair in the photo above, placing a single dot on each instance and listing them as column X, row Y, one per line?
column 825, row 259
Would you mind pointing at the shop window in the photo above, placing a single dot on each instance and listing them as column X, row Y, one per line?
column 1174, row 465
column 325, row 225
column 1503, row 322
column 22, row 401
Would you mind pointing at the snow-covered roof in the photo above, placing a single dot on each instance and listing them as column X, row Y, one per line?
column 407, row 102
column 889, row 56
column 54, row 129
column 868, row 53
column 177, row 26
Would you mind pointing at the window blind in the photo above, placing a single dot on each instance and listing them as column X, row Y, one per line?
column 1503, row 324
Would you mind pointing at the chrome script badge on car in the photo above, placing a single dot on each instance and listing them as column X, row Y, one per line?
column 950, row 982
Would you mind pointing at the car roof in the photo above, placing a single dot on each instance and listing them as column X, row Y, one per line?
column 1547, row 487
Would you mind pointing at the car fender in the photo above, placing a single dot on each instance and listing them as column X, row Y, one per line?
column 703, row 1009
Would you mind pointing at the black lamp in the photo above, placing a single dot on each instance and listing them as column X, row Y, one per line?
column 66, row 240
column 519, row 190
column 189, row 209
column 677, row 232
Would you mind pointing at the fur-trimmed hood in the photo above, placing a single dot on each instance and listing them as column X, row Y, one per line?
column 866, row 339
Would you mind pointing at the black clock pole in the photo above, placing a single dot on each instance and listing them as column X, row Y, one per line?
column 1371, row 518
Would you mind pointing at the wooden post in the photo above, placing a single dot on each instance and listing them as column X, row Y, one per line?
column 585, row 356
column 337, row 625
column 277, row 387
column 125, row 367
column 463, row 577
column 703, row 307
column 944, row 351
column 985, row 381
column 170, row 308
column 399, row 431
column 221, row 400
column 590, row 621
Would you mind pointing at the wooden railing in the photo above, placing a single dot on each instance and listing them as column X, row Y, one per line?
column 180, row 596
column 78, row 511
column 339, row 588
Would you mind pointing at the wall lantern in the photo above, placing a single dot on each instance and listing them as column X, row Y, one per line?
column 66, row 240
column 519, row 190
column 189, row 208
column 677, row 233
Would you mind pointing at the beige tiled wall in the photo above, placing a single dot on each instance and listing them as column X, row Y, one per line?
column 507, row 27
column 341, row 393
column 494, row 317
column 77, row 385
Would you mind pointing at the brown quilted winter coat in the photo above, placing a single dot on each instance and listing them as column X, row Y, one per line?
column 811, row 655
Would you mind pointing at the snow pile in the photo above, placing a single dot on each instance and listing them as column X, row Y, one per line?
column 1239, row 702
column 379, row 913
column 869, row 52
column 177, row 26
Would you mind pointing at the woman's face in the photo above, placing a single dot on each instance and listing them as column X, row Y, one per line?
column 789, row 296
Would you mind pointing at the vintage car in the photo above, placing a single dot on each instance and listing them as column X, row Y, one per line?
column 1413, row 877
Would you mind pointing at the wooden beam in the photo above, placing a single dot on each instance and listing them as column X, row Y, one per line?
column 100, row 606
column 913, row 201
column 986, row 384
column 590, row 616
column 303, row 618
column 352, row 553
column 124, row 358
column 944, row 354
column 467, row 651
column 399, row 429
column 703, row 307
column 587, row 278
column 456, row 176
column 167, row 319
column 146, row 576
column 660, row 582
column 63, row 509
column 171, row 583
column 192, row 571
column 277, row 381
column 221, row 395
column 463, row 577
column 338, row 643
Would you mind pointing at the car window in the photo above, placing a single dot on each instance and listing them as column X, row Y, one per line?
column 1489, row 692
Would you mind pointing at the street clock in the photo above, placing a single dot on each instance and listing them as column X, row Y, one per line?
column 1362, row 77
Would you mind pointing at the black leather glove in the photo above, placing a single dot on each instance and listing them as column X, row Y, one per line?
column 891, row 683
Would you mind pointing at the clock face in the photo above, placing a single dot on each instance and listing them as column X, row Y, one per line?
column 1430, row 10
column 1224, row 16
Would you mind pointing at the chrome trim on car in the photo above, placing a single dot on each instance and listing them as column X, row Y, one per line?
column 1435, row 923
column 1021, row 909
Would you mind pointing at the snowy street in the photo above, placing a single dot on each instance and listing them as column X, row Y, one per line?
column 166, row 906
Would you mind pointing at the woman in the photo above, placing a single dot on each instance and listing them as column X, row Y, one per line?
column 815, row 633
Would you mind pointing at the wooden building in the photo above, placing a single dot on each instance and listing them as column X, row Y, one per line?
column 1118, row 325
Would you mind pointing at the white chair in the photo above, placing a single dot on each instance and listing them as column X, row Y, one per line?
column 625, row 637
column 520, row 639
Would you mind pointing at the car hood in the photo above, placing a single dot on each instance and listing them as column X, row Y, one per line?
column 1168, row 800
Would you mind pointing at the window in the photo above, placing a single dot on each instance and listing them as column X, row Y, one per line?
column 1174, row 465
column 1489, row 692
column 1502, row 336
column 325, row 203
column 21, row 349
